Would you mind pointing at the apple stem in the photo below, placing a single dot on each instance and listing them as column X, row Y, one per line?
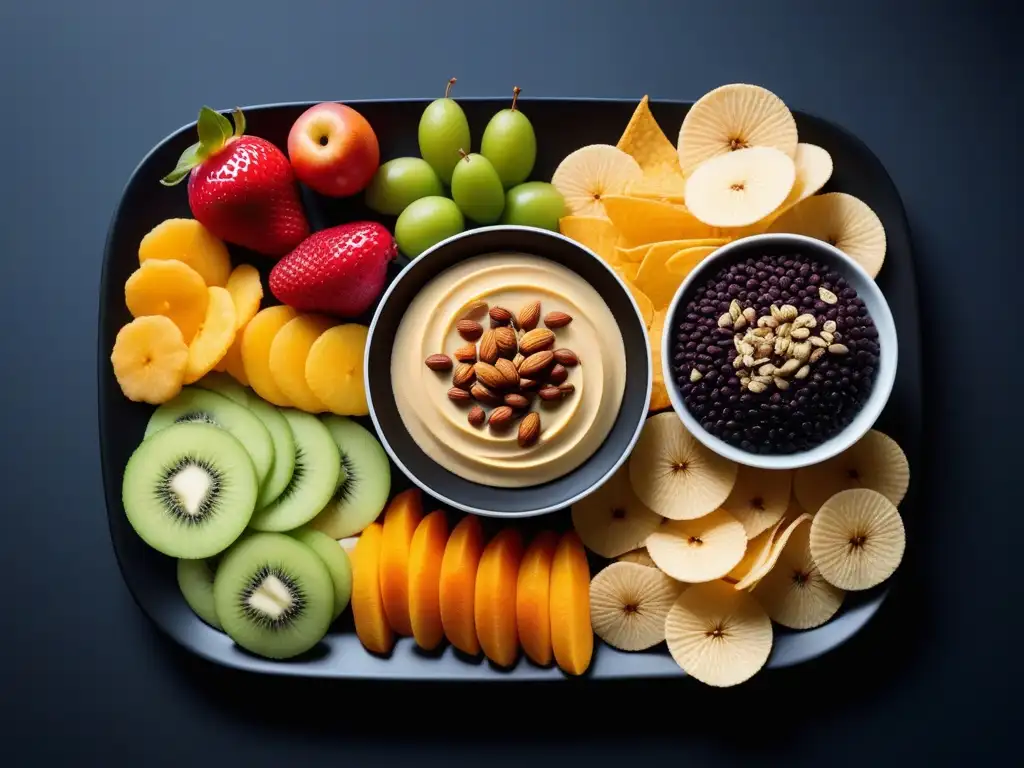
column 448, row 90
column 516, row 90
column 465, row 156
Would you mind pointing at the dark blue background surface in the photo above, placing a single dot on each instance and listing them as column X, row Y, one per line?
column 88, row 88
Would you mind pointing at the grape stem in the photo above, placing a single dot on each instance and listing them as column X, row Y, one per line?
column 464, row 155
column 516, row 90
column 448, row 90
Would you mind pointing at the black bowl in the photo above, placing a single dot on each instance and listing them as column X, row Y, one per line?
column 442, row 483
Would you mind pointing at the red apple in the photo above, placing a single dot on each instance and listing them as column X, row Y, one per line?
column 333, row 149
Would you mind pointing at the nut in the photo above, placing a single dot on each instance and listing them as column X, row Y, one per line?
column 696, row 375
column 490, row 376
column 566, row 357
column 805, row 321
column 505, row 338
column 476, row 416
column 527, row 383
column 767, row 321
column 474, row 310
column 838, row 349
column 466, row 354
column 550, row 393
column 788, row 312
column 801, row 350
column 827, row 337
column 803, row 372
column 536, row 363
column 763, row 350
column 736, row 341
column 528, row 316
column 439, row 363
column 529, row 430
column 508, row 373
column 748, row 361
column 536, row 340
column 766, row 370
column 750, row 315
column 501, row 417
column 776, row 313
column 799, row 333
column 819, row 341
column 457, row 395
column 759, row 361
column 780, row 383
column 756, row 387
column 470, row 330
column 735, row 310
column 558, row 374
column 746, row 349
column 817, row 354
column 788, row 367
column 781, row 345
column 464, row 375
column 725, row 321
column 489, row 347
column 784, row 330
column 762, row 332
column 516, row 401
column 500, row 316
column 827, row 296
column 737, row 362
column 484, row 395
column 517, row 360
column 829, row 326
column 762, row 379
column 557, row 319
column 739, row 323
column 566, row 389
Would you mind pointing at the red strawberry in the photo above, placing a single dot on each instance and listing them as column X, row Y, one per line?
column 241, row 188
column 338, row 271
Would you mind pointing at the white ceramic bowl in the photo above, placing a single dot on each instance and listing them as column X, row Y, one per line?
column 867, row 290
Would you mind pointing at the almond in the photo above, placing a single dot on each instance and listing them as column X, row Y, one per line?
column 558, row 374
column 484, row 395
column 529, row 430
column 566, row 357
column 488, row 347
column 527, row 383
column 529, row 316
column 516, row 401
column 536, row 340
column 566, row 389
column 463, row 375
column 489, row 376
column 470, row 330
column 501, row 417
column 535, row 363
column 550, row 393
column 457, row 395
column 477, row 416
column 439, row 363
column 505, row 338
column 517, row 360
column 557, row 319
column 508, row 373
column 466, row 354
column 500, row 316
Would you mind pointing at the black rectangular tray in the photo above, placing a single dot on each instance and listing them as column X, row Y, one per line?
column 562, row 125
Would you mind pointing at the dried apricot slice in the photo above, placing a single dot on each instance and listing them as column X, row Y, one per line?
column 149, row 359
column 188, row 241
column 170, row 288
column 214, row 337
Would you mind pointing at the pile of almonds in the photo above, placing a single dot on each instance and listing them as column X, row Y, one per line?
column 774, row 348
column 506, row 366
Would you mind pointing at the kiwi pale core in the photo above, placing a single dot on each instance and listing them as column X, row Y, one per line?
column 571, row 429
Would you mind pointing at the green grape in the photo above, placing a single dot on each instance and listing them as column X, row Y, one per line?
column 443, row 131
column 399, row 182
column 510, row 144
column 425, row 223
column 534, row 204
column 477, row 190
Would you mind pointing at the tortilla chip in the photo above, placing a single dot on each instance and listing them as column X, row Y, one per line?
column 641, row 220
column 594, row 232
column 644, row 140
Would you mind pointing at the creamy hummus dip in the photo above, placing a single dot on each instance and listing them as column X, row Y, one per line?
column 571, row 429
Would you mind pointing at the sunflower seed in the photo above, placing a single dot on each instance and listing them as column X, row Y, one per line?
column 828, row 337
column 766, row 370
column 735, row 310
column 838, row 349
column 780, row 383
column 750, row 314
column 767, row 321
column 746, row 349
column 788, row 312
column 803, row 372
column 739, row 323
column 817, row 354
column 827, row 296
column 776, row 313
column 695, row 375
column 788, row 367
column 801, row 350
column 805, row 321
column 818, row 341
column 830, row 326
column 784, row 330
column 748, row 361
column 799, row 334
column 781, row 345
column 757, row 387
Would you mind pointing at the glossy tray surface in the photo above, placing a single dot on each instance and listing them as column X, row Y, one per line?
column 562, row 125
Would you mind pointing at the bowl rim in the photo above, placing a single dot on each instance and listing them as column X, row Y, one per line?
column 628, row 449
column 836, row 444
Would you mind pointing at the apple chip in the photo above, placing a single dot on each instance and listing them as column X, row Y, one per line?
column 638, row 556
column 719, row 636
column 629, row 604
column 857, row 539
column 751, row 579
column 740, row 188
column 698, row 550
column 642, row 220
column 676, row 476
column 646, row 143
column 612, row 520
column 794, row 593
column 760, row 498
column 682, row 263
column 585, row 177
column 875, row 461
column 758, row 550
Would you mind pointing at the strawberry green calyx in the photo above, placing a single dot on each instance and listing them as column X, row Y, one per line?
column 215, row 132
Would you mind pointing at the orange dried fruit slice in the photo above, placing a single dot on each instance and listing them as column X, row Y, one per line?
column 572, row 637
column 426, row 553
column 256, row 342
column 288, row 354
column 214, row 337
column 246, row 291
column 170, row 288
column 372, row 626
column 334, row 369
column 188, row 241
column 494, row 606
column 149, row 359
column 457, row 591
column 533, row 598
column 401, row 518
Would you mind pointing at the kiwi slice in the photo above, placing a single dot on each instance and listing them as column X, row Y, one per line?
column 201, row 405
column 195, row 580
column 223, row 384
column 314, row 479
column 365, row 484
column 284, row 450
column 336, row 560
column 189, row 490
column 273, row 595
